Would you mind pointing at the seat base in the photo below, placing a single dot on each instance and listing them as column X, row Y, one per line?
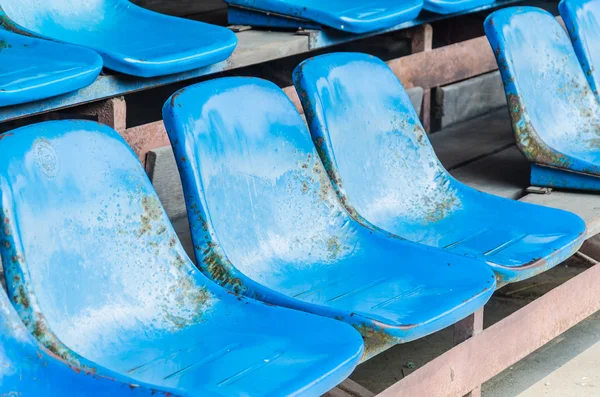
column 253, row 17
column 545, row 176
column 453, row 7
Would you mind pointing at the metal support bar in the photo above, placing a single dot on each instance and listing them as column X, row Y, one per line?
column 422, row 41
column 468, row 365
column 112, row 112
column 466, row 329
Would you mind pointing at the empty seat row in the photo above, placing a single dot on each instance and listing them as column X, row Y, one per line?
column 353, row 223
column 359, row 225
column 128, row 39
column 138, row 42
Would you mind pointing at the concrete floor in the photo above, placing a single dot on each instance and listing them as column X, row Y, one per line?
column 568, row 366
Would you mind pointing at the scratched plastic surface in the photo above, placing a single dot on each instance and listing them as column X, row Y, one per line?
column 97, row 274
column 28, row 370
column 387, row 174
column 355, row 16
column 582, row 19
column 453, row 6
column 554, row 112
column 33, row 69
column 131, row 39
column 265, row 221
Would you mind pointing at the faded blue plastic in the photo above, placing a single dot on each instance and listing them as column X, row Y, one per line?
column 111, row 85
column 454, row 6
column 96, row 272
column 33, row 69
column 28, row 370
column 554, row 113
column 355, row 16
column 265, row 221
column 386, row 173
column 131, row 39
column 582, row 20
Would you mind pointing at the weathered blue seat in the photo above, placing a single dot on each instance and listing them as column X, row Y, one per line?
column 26, row 369
column 265, row 221
column 131, row 39
column 554, row 113
column 582, row 20
column 32, row 69
column 454, row 6
column 387, row 174
column 355, row 16
column 98, row 275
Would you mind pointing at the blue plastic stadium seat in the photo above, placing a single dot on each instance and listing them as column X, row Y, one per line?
column 131, row 39
column 355, row 16
column 27, row 369
column 582, row 19
column 387, row 174
column 554, row 113
column 265, row 221
column 97, row 274
column 454, row 6
column 33, row 69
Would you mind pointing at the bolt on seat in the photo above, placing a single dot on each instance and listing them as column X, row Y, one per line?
column 131, row 39
column 554, row 113
column 96, row 272
column 265, row 221
column 33, row 69
column 387, row 175
column 355, row 16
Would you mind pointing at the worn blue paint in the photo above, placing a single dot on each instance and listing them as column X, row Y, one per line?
column 453, row 6
column 386, row 173
column 33, row 69
column 553, row 110
column 131, row 39
column 27, row 369
column 355, row 16
column 259, row 199
column 582, row 20
column 96, row 272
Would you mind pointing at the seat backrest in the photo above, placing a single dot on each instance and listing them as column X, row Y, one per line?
column 254, row 183
column 90, row 256
column 582, row 20
column 553, row 110
column 40, row 16
column 372, row 141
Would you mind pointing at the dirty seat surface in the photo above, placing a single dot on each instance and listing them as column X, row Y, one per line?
column 97, row 274
column 266, row 222
column 454, row 6
column 555, row 115
column 356, row 16
column 33, row 69
column 131, row 39
column 387, row 174
column 26, row 369
column 582, row 19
